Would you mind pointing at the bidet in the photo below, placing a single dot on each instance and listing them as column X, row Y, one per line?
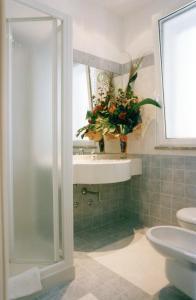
column 187, row 218
column 178, row 245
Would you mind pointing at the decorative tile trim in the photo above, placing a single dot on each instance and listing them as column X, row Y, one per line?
column 96, row 62
column 108, row 65
column 147, row 61
column 175, row 147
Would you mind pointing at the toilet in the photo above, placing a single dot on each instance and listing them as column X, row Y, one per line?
column 187, row 218
column 178, row 245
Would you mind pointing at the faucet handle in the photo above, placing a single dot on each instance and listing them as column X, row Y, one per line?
column 93, row 154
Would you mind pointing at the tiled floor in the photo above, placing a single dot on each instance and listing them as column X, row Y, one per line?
column 95, row 281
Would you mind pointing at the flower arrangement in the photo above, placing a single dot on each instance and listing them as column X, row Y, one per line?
column 115, row 116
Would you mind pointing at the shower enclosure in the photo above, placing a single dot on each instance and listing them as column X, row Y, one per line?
column 38, row 154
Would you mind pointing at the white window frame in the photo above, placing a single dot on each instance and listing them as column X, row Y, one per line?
column 161, row 138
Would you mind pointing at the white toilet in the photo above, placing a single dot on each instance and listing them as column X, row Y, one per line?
column 178, row 245
column 187, row 218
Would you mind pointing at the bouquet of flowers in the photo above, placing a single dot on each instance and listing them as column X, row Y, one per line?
column 114, row 116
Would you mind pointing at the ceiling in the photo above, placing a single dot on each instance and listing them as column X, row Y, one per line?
column 128, row 7
column 122, row 7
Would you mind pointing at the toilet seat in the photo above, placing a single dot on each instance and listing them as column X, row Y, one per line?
column 187, row 214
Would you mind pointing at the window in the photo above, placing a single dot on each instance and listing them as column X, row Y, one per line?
column 177, row 53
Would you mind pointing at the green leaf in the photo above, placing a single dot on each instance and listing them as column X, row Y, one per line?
column 122, row 129
column 147, row 101
column 112, row 129
column 133, row 78
column 82, row 131
column 89, row 114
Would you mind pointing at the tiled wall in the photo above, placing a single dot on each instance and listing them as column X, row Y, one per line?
column 107, row 65
column 167, row 184
column 95, row 210
column 96, row 62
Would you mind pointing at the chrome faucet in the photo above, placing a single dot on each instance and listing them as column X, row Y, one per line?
column 81, row 151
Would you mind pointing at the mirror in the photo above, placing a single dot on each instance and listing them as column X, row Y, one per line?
column 99, row 79
column 87, row 82
column 81, row 96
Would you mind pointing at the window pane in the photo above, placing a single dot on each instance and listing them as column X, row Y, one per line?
column 178, row 47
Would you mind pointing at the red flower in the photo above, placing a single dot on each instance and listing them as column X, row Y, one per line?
column 122, row 115
column 112, row 108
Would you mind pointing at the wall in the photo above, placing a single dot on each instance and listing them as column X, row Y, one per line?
column 138, row 27
column 98, row 31
column 167, row 184
column 138, row 41
column 145, row 142
column 95, row 30
column 107, row 206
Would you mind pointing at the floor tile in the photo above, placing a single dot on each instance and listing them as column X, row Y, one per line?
column 96, row 281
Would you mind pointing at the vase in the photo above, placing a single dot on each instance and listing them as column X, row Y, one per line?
column 123, row 144
column 101, row 145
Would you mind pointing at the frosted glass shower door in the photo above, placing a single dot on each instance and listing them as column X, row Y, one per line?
column 34, row 139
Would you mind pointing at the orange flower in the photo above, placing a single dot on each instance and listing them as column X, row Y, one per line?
column 122, row 115
column 112, row 108
column 97, row 108
column 96, row 136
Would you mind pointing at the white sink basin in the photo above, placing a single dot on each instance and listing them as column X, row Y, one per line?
column 102, row 169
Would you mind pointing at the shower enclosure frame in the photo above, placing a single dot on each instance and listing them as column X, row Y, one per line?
column 3, row 243
column 62, row 270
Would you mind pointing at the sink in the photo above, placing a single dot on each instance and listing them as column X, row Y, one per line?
column 103, row 169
